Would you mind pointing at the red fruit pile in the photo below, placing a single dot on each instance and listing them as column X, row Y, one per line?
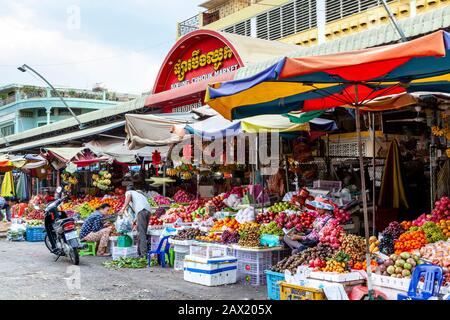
column 35, row 215
column 182, row 196
column 194, row 205
column 331, row 234
column 317, row 263
column 154, row 221
column 342, row 215
column 267, row 217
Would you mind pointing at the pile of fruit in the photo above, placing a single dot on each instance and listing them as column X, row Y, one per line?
column 188, row 234
column 333, row 265
column 433, row 232
column 354, row 246
column 230, row 237
column 175, row 213
column 331, row 234
column 152, row 202
column 239, row 191
column 211, row 237
column 314, row 257
column 272, row 228
column 161, row 200
column 389, row 236
column 409, row 241
column 195, row 205
column 343, row 216
column 266, row 217
column 288, row 221
column 85, row 210
column 102, row 180
column 373, row 244
column 227, row 223
column 35, row 223
column 69, row 180
column 182, row 197
column 35, row 214
column 363, row 265
column 216, row 202
column 249, row 235
column 155, row 221
column 438, row 253
column 281, row 206
column 445, row 227
column 400, row 265
column 406, row 225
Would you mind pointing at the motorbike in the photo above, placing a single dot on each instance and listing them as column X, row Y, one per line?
column 62, row 231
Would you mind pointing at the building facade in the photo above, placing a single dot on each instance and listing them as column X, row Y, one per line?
column 301, row 22
column 26, row 107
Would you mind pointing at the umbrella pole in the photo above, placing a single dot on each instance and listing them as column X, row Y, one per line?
column 374, row 192
column 363, row 193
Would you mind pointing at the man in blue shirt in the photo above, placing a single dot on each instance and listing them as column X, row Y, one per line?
column 95, row 230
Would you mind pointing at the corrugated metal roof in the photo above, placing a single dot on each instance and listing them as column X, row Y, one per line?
column 63, row 138
column 129, row 106
column 414, row 26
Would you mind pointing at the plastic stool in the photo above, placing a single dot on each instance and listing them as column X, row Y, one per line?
column 90, row 250
column 433, row 277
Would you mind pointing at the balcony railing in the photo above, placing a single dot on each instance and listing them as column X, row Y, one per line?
column 189, row 25
column 28, row 93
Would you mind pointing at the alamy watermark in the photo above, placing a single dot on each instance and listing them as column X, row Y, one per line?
column 231, row 147
column 73, row 22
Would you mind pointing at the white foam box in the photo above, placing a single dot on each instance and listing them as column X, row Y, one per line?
column 391, row 282
column 208, row 251
column 130, row 252
column 210, row 271
column 337, row 277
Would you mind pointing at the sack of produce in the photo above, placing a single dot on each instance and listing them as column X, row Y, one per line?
column 246, row 215
column 124, row 224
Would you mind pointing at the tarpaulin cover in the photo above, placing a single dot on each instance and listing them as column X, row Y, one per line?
column 118, row 150
column 392, row 193
column 8, row 188
column 66, row 154
column 323, row 82
column 151, row 130
column 215, row 127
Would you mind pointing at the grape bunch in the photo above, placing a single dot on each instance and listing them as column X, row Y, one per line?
column 386, row 245
column 230, row 237
column 394, row 230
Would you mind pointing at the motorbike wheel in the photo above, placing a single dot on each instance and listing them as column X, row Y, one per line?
column 48, row 243
column 74, row 256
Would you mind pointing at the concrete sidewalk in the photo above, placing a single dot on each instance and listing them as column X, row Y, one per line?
column 28, row 271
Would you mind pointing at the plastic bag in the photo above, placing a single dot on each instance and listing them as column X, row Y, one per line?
column 16, row 232
column 124, row 224
column 246, row 215
column 269, row 240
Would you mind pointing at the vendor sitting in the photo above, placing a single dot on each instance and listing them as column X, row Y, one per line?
column 298, row 242
column 95, row 230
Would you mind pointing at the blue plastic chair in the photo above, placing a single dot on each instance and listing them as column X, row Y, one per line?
column 161, row 251
column 433, row 277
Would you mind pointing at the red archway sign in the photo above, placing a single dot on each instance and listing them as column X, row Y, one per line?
column 195, row 60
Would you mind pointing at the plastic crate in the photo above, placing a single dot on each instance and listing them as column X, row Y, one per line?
column 35, row 234
column 208, row 251
column 261, row 257
column 252, row 273
column 273, row 288
column 178, row 264
column 293, row 292
column 181, row 248
column 255, row 280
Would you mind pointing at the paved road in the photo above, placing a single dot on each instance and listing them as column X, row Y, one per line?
column 28, row 271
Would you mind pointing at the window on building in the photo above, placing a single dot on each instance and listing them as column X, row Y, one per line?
column 26, row 114
column 7, row 130
column 43, row 112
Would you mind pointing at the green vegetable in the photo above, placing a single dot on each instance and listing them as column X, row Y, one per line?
column 341, row 256
column 85, row 210
column 130, row 263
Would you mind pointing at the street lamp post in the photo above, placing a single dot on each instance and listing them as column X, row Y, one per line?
column 25, row 67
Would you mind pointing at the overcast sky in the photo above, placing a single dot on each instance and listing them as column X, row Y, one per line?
column 78, row 43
